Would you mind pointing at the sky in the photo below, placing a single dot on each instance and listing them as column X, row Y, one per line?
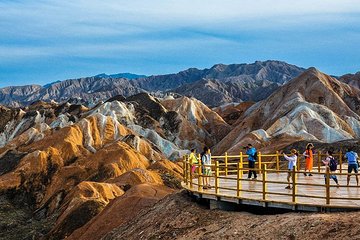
column 46, row 41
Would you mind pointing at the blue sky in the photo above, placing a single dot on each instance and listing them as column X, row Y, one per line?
column 45, row 41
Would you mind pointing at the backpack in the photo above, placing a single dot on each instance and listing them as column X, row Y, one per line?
column 255, row 156
column 332, row 164
column 202, row 158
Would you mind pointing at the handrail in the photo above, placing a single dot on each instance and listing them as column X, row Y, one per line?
column 224, row 168
column 316, row 158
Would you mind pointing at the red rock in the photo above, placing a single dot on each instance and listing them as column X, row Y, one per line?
column 136, row 176
column 121, row 210
column 84, row 202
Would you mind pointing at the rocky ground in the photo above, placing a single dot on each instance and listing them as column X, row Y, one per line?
column 179, row 217
column 17, row 221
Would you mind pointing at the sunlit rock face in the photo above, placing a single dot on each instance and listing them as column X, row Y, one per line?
column 73, row 161
column 121, row 210
column 69, row 159
column 313, row 106
column 172, row 125
column 33, row 121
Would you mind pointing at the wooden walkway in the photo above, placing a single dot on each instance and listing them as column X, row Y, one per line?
column 310, row 192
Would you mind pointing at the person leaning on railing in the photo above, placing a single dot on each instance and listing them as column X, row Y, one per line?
column 353, row 164
column 292, row 163
column 193, row 160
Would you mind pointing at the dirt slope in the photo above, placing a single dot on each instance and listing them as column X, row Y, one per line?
column 178, row 217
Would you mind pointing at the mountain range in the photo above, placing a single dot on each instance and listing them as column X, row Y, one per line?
column 228, row 83
column 83, row 158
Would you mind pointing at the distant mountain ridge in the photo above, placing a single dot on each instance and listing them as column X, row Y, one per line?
column 351, row 79
column 273, row 71
column 90, row 89
column 229, row 83
column 120, row 75
column 225, row 83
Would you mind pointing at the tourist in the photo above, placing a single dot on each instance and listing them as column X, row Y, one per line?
column 309, row 158
column 206, row 166
column 352, row 158
column 193, row 160
column 252, row 156
column 331, row 163
column 292, row 163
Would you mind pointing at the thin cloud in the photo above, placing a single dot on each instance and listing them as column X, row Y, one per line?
column 146, row 33
column 64, row 17
column 107, row 49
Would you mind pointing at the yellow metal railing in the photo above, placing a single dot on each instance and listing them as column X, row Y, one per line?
column 274, row 159
column 231, row 167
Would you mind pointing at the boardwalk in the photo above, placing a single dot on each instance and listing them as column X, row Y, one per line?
column 310, row 191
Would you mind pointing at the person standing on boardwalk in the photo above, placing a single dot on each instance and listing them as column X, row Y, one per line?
column 206, row 165
column 193, row 160
column 252, row 155
column 352, row 158
column 309, row 159
column 292, row 163
column 331, row 163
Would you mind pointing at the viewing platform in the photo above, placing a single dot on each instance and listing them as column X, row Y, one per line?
column 317, row 193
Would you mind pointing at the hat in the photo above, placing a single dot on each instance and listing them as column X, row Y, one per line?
column 293, row 151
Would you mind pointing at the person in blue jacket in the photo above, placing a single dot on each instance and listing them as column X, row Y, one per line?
column 252, row 155
column 353, row 164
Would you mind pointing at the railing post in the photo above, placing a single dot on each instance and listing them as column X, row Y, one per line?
column 216, row 177
column 191, row 175
column 184, row 169
column 277, row 161
column 199, row 161
column 226, row 163
column 188, row 173
column 340, row 160
column 259, row 158
column 293, row 185
column 298, row 165
column 264, row 182
column 327, row 185
column 319, row 160
column 241, row 164
column 238, row 181
column 200, row 183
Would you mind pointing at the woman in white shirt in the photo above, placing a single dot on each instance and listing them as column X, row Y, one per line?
column 292, row 163
column 206, row 162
